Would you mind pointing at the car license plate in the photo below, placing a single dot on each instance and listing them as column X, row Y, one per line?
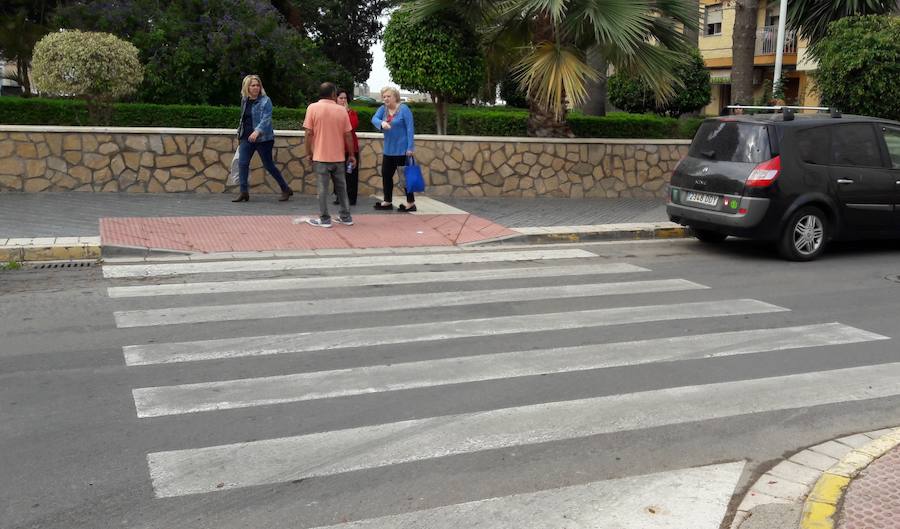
column 703, row 198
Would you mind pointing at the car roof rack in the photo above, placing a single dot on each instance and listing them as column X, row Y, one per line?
column 787, row 110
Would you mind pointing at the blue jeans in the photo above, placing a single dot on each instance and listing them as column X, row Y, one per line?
column 245, row 153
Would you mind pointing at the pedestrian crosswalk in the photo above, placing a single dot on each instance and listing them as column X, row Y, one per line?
column 205, row 293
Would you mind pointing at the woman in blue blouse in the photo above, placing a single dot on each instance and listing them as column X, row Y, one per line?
column 396, row 121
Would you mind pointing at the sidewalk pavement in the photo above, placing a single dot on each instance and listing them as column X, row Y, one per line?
column 57, row 226
column 851, row 482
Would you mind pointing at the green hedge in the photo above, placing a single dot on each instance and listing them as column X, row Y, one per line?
column 468, row 121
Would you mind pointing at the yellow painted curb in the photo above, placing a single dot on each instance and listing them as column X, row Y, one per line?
column 49, row 253
column 821, row 505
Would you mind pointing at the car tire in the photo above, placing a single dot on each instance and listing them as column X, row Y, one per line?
column 709, row 236
column 805, row 235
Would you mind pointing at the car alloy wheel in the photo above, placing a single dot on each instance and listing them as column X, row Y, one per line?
column 805, row 235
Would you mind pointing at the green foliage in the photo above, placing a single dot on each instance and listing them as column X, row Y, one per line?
column 859, row 65
column 344, row 30
column 198, row 51
column 470, row 121
column 88, row 64
column 438, row 56
column 11, row 265
column 814, row 16
column 621, row 125
column 512, row 93
column 634, row 95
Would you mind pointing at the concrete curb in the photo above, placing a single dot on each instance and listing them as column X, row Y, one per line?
column 816, row 475
column 50, row 249
column 821, row 505
column 600, row 232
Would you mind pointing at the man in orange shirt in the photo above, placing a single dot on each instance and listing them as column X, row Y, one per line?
column 328, row 136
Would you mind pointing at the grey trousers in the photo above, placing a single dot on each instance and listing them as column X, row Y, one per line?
column 333, row 172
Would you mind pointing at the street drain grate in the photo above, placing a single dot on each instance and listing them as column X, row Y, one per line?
column 62, row 266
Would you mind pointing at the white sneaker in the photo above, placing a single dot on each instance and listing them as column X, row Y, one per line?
column 319, row 222
column 346, row 222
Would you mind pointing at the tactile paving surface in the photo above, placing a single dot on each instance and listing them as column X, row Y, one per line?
column 258, row 233
column 872, row 500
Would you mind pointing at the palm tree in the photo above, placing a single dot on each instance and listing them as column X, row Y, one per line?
column 812, row 17
column 743, row 48
column 641, row 37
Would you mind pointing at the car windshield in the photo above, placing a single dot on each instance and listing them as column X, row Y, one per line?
column 731, row 141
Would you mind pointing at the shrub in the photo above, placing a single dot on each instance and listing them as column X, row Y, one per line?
column 470, row 121
column 197, row 52
column 438, row 55
column 633, row 95
column 96, row 66
column 512, row 93
column 859, row 65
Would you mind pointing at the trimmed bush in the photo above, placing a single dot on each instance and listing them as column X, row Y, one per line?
column 98, row 67
column 633, row 95
column 859, row 65
column 469, row 121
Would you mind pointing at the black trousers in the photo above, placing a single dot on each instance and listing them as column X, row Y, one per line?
column 389, row 165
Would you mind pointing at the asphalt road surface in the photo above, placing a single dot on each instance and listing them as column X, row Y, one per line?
column 600, row 385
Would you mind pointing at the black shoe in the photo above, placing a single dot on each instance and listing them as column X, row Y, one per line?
column 403, row 209
column 379, row 205
column 243, row 197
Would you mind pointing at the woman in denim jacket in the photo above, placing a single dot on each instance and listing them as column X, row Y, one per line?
column 396, row 121
column 256, row 135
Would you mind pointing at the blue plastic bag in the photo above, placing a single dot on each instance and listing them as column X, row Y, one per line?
column 415, row 183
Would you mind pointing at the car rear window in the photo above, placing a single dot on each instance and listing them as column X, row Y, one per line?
column 732, row 141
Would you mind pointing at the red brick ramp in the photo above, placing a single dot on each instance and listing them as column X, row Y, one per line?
column 262, row 233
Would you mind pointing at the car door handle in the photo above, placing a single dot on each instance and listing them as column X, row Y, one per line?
column 845, row 181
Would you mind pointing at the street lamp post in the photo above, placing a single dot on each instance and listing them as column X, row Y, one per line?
column 779, row 43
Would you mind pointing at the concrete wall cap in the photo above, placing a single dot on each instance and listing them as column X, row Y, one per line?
column 365, row 135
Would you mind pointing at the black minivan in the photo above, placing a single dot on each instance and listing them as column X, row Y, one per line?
column 800, row 180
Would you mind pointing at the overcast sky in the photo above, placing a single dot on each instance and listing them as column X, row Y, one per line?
column 379, row 78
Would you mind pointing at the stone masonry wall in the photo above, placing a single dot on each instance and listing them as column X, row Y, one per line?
column 35, row 159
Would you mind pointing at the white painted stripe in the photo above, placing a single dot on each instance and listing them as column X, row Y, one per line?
column 420, row 332
column 318, row 307
column 695, row 498
column 243, row 393
column 220, row 267
column 288, row 283
column 224, row 467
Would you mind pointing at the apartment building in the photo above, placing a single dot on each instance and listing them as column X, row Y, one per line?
column 716, row 28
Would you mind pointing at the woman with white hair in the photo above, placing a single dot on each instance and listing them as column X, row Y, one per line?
column 396, row 121
column 256, row 136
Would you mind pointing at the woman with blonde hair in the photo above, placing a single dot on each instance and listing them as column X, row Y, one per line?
column 256, row 135
column 396, row 121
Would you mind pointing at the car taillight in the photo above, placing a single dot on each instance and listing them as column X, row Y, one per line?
column 765, row 173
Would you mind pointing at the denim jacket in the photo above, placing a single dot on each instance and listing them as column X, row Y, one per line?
column 261, row 113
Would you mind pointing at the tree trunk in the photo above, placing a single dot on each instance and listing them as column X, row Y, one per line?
column 542, row 123
column 597, row 92
column 692, row 35
column 23, row 77
column 440, row 108
column 742, row 51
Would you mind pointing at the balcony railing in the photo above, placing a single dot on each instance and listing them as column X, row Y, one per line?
column 767, row 41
